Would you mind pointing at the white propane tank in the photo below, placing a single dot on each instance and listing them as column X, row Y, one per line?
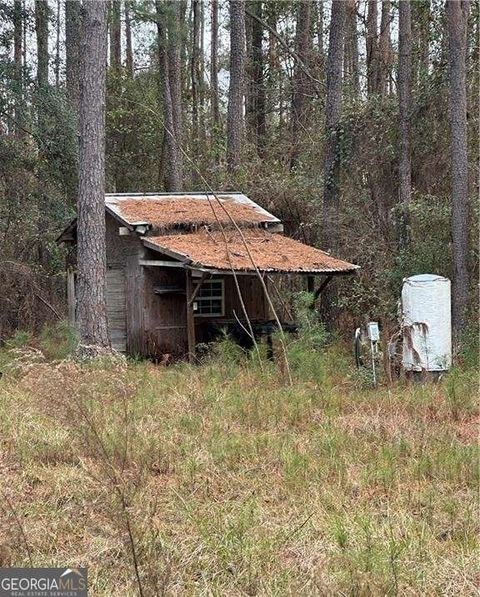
column 426, row 323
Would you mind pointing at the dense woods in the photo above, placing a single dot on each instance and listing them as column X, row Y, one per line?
column 355, row 122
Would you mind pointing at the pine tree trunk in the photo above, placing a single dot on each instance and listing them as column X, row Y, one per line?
column 194, row 72
column 73, row 25
column 172, row 158
column 384, row 50
column 129, row 66
column 18, row 61
column 249, row 84
column 115, row 36
column 235, row 115
column 351, row 69
column 214, row 68
column 300, row 80
column 91, row 312
column 333, row 113
column 57, row 47
column 404, row 105
column 175, row 43
column 372, row 50
column 273, row 81
column 258, row 81
column 420, row 39
column 424, row 49
column 321, row 48
column 457, row 14
column 41, row 28
column 201, row 77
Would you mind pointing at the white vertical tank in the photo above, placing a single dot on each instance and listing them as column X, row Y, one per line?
column 426, row 323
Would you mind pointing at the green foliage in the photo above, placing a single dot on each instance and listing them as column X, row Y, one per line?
column 312, row 333
column 20, row 339
column 58, row 341
column 134, row 133
column 470, row 354
column 304, row 350
column 459, row 386
column 228, row 353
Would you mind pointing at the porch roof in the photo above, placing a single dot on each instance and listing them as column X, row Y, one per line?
column 231, row 250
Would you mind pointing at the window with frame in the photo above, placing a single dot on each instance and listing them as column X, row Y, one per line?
column 210, row 300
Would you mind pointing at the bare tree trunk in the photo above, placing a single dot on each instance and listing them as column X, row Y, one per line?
column 57, row 46
column 24, row 32
column 457, row 14
column 384, row 50
column 129, row 66
column 404, row 105
column 201, row 67
column 73, row 24
column 235, row 115
column 41, row 28
column 172, row 154
column 175, row 43
column 91, row 312
column 421, row 39
column 333, row 112
column 273, row 63
column 214, row 67
column 372, row 33
column 194, row 70
column 425, row 37
column 115, row 36
column 258, row 83
column 300, row 81
column 351, row 47
column 321, row 44
column 249, row 84
column 18, row 61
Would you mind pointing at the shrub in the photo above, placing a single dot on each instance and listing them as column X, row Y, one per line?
column 58, row 341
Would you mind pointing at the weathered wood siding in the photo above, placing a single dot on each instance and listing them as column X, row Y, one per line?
column 252, row 294
column 116, row 308
column 165, row 330
column 123, row 288
column 135, row 304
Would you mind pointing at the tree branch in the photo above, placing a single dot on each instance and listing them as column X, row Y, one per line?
column 292, row 53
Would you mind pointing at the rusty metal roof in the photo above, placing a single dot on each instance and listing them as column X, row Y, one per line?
column 270, row 252
column 164, row 210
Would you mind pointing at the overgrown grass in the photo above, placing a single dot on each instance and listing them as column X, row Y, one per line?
column 222, row 479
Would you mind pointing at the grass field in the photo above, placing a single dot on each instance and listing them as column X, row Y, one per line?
column 224, row 480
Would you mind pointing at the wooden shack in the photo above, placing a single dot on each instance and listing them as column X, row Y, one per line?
column 183, row 266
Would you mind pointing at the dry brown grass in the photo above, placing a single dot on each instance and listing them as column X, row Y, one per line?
column 223, row 481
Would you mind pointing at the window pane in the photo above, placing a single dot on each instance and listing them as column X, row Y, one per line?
column 210, row 298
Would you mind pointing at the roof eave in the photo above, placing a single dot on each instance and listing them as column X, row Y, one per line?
column 187, row 262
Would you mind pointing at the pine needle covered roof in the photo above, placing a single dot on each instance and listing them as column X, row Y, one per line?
column 166, row 210
column 269, row 252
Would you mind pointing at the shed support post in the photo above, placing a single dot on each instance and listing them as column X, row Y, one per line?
column 310, row 284
column 322, row 287
column 190, row 318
